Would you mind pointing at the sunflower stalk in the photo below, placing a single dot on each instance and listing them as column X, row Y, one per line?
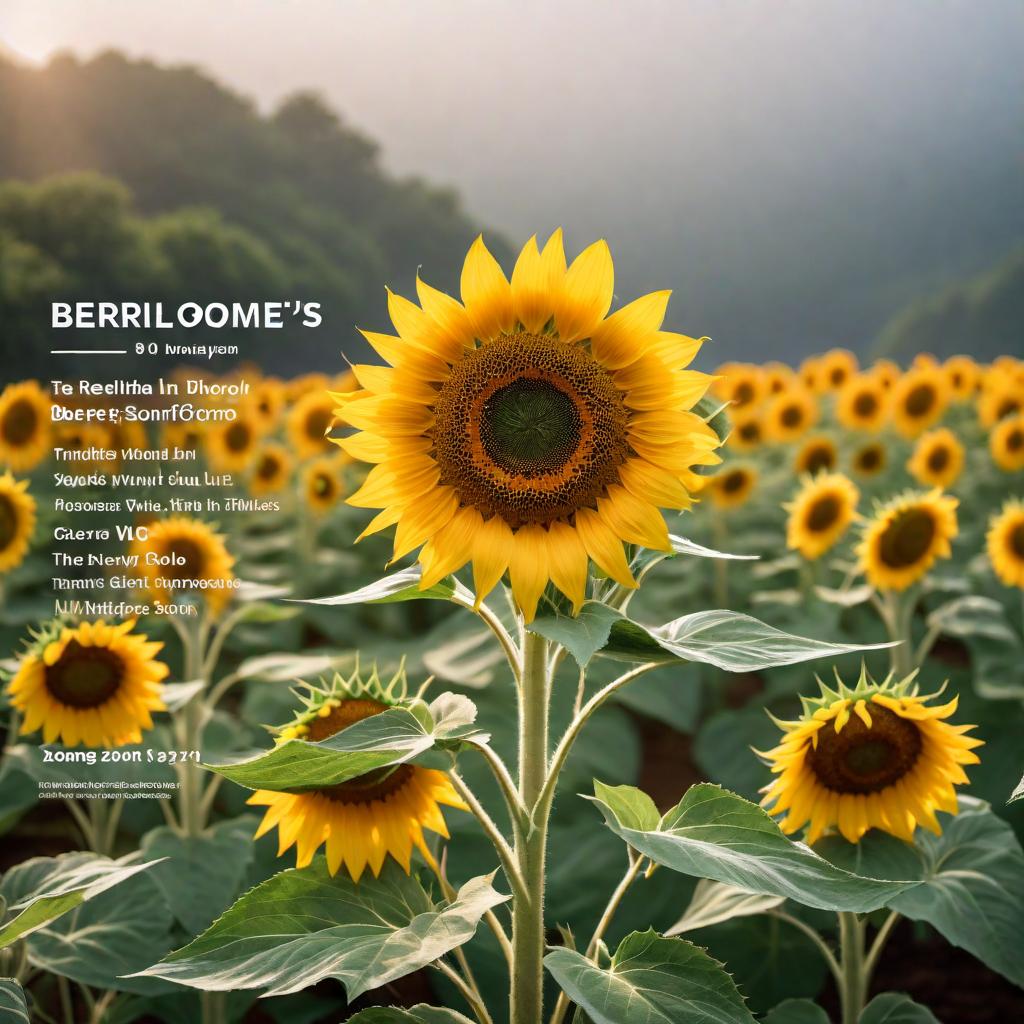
column 854, row 976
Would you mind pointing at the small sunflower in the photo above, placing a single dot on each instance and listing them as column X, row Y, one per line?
column 876, row 755
column 938, row 458
column 778, row 377
column 363, row 821
column 271, row 469
column 906, row 536
column 811, row 375
column 185, row 556
column 919, row 399
column 816, row 455
column 231, row 445
column 836, row 367
column 267, row 400
column 322, row 484
column 743, row 385
column 964, row 376
column 732, row 486
column 747, row 431
column 309, row 423
column 17, row 521
column 1006, row 443
column 886, row 372
column 24, row 426
column 820, row 513
column 525, row 429
column 1005, row 542
column 869, row 459
column 862, row 403
column 999, row 401
column 96, row 684
column 791, row 414
column 186, row 436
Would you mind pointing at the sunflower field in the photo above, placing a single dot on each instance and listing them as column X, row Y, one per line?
column 537, row 671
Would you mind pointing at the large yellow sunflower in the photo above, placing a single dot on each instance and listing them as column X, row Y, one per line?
column 790, row 414
column 732, row 486
column 96, row 684
column 185, row 556
column 876, row 755
column 938, row 458
column 24, row 426
column 363, row 821
column 526, row 430
column 862, row 403
column 906, row 536
column 1005, row 542
column 820, row 513
column 1006, row 443
column 869, row 459
column 17, row 521
column 919, row 399
column 309, row 422
column 271, row 469
column 816, row 455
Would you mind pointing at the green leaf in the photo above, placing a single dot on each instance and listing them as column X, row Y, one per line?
column 400, row 586
column 176, row 695
column 582, row 635
column 972, row 889
column 414, row 1015
column 264, row 611
column 300, row 927
column 796, row 1011
column 283, row 668
column 651, row 980
column 714, row 902
column 972, row 615
column 392, row 737
column 896, row 1008
column 728, row 640
column 715, row 413
column 13, row 1008
column 44, row 888
column 201, row 875
column 715, row 834
column 845, row 597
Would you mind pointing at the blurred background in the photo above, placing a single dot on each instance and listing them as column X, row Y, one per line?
column 803, row 174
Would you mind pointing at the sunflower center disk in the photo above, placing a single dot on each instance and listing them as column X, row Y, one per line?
column 84, row 677
column 863, row 759
column 938, row 459
column 792, row 416
column 238, row 437
column 865, row 404
column 192, row 566
column 920, row 400
column 907, row 539
column 1016, row 540
column 19, row 425
column 267, row 469
column 8, row 522
column 530, row 429
column 823, row 513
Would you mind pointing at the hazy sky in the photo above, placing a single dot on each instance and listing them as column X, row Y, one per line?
column 709, row 129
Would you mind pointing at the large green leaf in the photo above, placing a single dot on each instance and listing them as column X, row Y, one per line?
column 729, row 640
column 796, row 1011
column 651, row 980
column 972, row 615
column 896, row 1008
column 13, row 1009
column 399, row 586
column 42, row 889
column 300, row 927
column 582, row 635
column 392, row 737
column 712, row 833
column 414, row 1015
column 972, row 888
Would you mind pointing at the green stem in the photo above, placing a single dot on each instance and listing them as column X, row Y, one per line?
column 526, row 1005
column 898, row 614
column 188, row 729
column 854, row 983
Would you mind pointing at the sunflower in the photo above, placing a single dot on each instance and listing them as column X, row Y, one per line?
column 1006, row 443
column 1000, row 399
column 741, row 384
column 964, row 376
column 747, row 431
column 886, row 372
column 17, row 521
column 732, row 486
column 820, row 513
column 182, row 555
column 96, row 684
column 185, row 436
column 525, row 430
column 811, row 376
column 1005, row 540
column 938, row 458
column 231, row 445
column 309, row 423
column 791, row 414
column 869, row 459
column 267, row 400
column 816, row 454
column 271, row 469
column 778, row 377
column 24, row 426
column 919, row 399
column 836, row 367
column 877, row 755
column 862, row 403
column 322, row 484
column 906, row 536
column 365, row 819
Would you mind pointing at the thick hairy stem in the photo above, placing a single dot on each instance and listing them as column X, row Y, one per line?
column 853, row 987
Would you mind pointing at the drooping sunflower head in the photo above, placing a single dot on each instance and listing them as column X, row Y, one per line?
column 963, row 375
column 743, row 385
column 837, row 366
column 938, row 458
column 869, row 459
column 790, row 414
column 820, row 513
column 886, row 372
column 97, row 683
column 862, row 403
column 1005, row 543
column 816, row 455
column 747, row 431
column 906, row 536
column 919, row 398
column 231, row 445
column 24, row 426
column 526, row 430
column 309, row 424
column 366, row 819
column 875, row 755
column 1000, row 399
column 271, row 469
column 322, row 484
column 186, row 556
column 17, row 521
column 732, row 485
column 1006, row 443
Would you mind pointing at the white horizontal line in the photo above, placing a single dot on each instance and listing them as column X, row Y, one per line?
column 88, row 351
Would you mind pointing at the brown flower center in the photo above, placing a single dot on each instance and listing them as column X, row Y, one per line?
column 919, row 400
column 318, row 422
column 268, row 467
column 907, row 539
column 192, row 553
column 84, row 677
column 865, row 404
column 238, row 437
column 823, row 513
column 939, row 458
column 8, row 522
column 819, row 457
column 1015, row 440
column 750, row 431
column 1015, row 540
column 20, row 423
column 869, row 459
column 792, row 416
column 734, row 481
column 744, row 393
